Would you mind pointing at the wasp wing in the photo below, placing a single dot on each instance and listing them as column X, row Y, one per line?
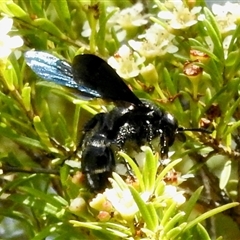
column 51, row 68
column 96, row 74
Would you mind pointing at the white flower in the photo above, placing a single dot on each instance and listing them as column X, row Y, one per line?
column 172, row 193
column 228, row 7
column 7, row 43
column 120, row 21
column 157, row 41
column 126, row 20
column 126, row 63
column 226, row 15
column 130, row 17
column 179, row 16
column 123, row 202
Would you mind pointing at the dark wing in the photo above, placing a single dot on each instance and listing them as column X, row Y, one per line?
column 51, row 68
column 94, row 73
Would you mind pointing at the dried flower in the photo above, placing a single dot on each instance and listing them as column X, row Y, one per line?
column 194, row 74
column 198, row 55
column 192, row 71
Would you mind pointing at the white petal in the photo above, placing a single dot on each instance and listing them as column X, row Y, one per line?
column 218, row 10
column 15, row 42
column 124, row 51
column 5, row 25
column 165, row 15
column 4, row 52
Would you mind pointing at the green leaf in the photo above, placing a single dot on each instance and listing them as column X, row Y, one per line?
column 232, row 64
column 24, row 219
column 232, row 59
column 43, row 133
column 63, row 12
column 209, row 214
column 169, row 212
column 176, row 232
column 134, row 168
column 53, row 201
column 49, row 27
column 153, row 213
column 101, row 34
column 64, row 133
column 108, row 228
column 144, row 210
column 202, row 233
column 172, row 90
column 47, row 231
column 46, row 117
column 225, row 174
column 25, row 141
column 26, row 97
column 37, row 7
column 173, row 222
column 15, row 10
column 190, row 204
column 211, row 26
column 149, row 170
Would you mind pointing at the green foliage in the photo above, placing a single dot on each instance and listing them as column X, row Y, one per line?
column 42, row 192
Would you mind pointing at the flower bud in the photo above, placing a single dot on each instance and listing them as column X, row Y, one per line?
column 78, row 205
column 100, row 203
column 78, row 178
column 149, row 73
column 104, row 216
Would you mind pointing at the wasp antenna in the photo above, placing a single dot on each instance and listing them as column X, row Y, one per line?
column 203, row 130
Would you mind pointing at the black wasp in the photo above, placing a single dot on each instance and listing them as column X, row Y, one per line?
column 132, row 119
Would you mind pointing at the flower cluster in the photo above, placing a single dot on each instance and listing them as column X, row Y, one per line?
column 119, row 200
column 155, row 40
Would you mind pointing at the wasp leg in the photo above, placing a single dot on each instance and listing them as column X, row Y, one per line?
column 164, row 146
